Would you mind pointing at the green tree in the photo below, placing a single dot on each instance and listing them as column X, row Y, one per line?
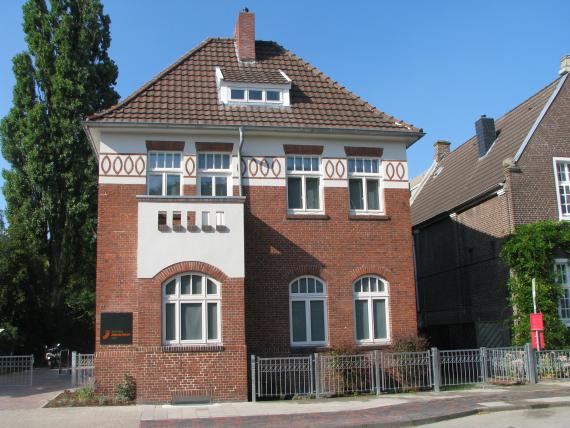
column 51, row 187
column 530, row 253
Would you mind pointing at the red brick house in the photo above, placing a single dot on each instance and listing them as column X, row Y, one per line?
column 247, row 204
column 515, row 170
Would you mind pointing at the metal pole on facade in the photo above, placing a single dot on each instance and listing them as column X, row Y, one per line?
column 253, row 391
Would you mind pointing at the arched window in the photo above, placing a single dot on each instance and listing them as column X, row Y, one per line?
column 308, row 309
column 191, row 310
column 371, row 318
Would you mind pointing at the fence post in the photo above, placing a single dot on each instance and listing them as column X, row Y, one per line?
column 531, row 364
column 317, row 375
column 376, row 372
column 253, row 391
column 74, row 368
column 32, row 370
column 435, row 368
column 484, row 374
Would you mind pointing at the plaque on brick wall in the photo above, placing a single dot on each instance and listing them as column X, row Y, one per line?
column 116, row 328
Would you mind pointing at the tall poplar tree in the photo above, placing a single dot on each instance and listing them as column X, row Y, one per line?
column 51, row 186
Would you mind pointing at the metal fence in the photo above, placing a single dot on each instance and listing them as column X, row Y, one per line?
column 377, row 372
column 404, row 371
column 462, row 367
column 553, row 364
column 507, row 365
column 344, row 374
column 17, row 370
column 82, row 369
column 282, row 377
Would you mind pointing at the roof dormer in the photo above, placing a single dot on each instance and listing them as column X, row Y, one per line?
column 253, row 87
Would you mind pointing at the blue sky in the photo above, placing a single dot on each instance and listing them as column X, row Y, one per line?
column 436, row 64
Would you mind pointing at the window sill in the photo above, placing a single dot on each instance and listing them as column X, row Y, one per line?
column 369, row 217
column 312, row 348
column 305, row 216
column 192, row 348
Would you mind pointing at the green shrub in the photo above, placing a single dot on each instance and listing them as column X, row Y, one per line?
column 410, row 344
column 126, row 389
column 86, row 393
column 530, row 252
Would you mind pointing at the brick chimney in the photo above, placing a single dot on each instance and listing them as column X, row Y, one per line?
column 244, row 36
column 486, row 134
column 441, row 149
column 564, row 65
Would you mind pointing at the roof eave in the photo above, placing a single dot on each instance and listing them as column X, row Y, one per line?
column 412, row 135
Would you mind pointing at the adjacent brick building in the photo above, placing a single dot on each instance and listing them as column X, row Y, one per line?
column 513, row 171
column 247, row 204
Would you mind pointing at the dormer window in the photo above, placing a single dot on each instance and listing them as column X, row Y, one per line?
column 253, row 87
column 237, row 94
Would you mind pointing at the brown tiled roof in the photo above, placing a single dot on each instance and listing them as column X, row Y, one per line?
column 248, row 74
column 185, row 93
column 464, row 176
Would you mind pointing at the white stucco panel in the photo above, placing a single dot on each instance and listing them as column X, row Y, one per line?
column 157, row 249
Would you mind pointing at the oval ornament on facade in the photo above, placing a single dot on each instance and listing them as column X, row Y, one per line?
column 140, row 165
column 276, row 167
column 400, row 171
column 105, row 165
column 264, row 167
column 329, row 169
column 189, row 166
column 390, row 170
column 253, row 167
column 129, row 165
column 339, row 168
column 118, row 165
column 243, row 168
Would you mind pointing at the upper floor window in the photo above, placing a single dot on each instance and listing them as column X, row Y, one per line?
column 255, row 95
column 562, row 167
column 307, row 297
column 304, row 183
column 562, row 271
column 370, row 295
column 191, row 310
column 214, row 171
column 364, row 185
column 164, row 173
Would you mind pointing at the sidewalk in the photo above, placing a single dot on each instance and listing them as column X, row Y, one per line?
column 391, row 410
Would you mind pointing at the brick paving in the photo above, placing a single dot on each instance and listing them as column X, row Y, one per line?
column 424, row 408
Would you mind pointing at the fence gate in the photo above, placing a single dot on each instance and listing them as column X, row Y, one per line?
column 16, row 370
column 82, row 369
column 344, row 374
column 507, row 365
column 282, row 377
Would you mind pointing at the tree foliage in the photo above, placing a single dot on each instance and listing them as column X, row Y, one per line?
column 530, row 253
column 47, row 269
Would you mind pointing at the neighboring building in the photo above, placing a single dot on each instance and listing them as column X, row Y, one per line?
column 247, row 204
column 515, row 170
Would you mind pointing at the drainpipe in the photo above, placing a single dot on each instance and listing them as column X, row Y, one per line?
column 241, row 141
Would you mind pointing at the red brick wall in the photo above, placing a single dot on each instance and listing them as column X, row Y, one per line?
column 534, row 188
column 338, row 250
column 159, row 375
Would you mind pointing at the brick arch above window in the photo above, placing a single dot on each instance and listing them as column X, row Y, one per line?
column 315, row 270
column 373, row 270
column 191, row 266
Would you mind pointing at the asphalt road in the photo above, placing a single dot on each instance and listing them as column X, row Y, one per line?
column 554, row 417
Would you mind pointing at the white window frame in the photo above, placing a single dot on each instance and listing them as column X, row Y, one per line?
column 565, row 285
column 178, row 299
column 303, row 175
column 370, row 297
column 365, row 176
column 307, row 298
column 555, row 162
column 215, row 172
column 164, row 172
column 247, row 98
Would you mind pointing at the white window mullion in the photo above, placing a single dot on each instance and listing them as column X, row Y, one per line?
column 308, row 320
